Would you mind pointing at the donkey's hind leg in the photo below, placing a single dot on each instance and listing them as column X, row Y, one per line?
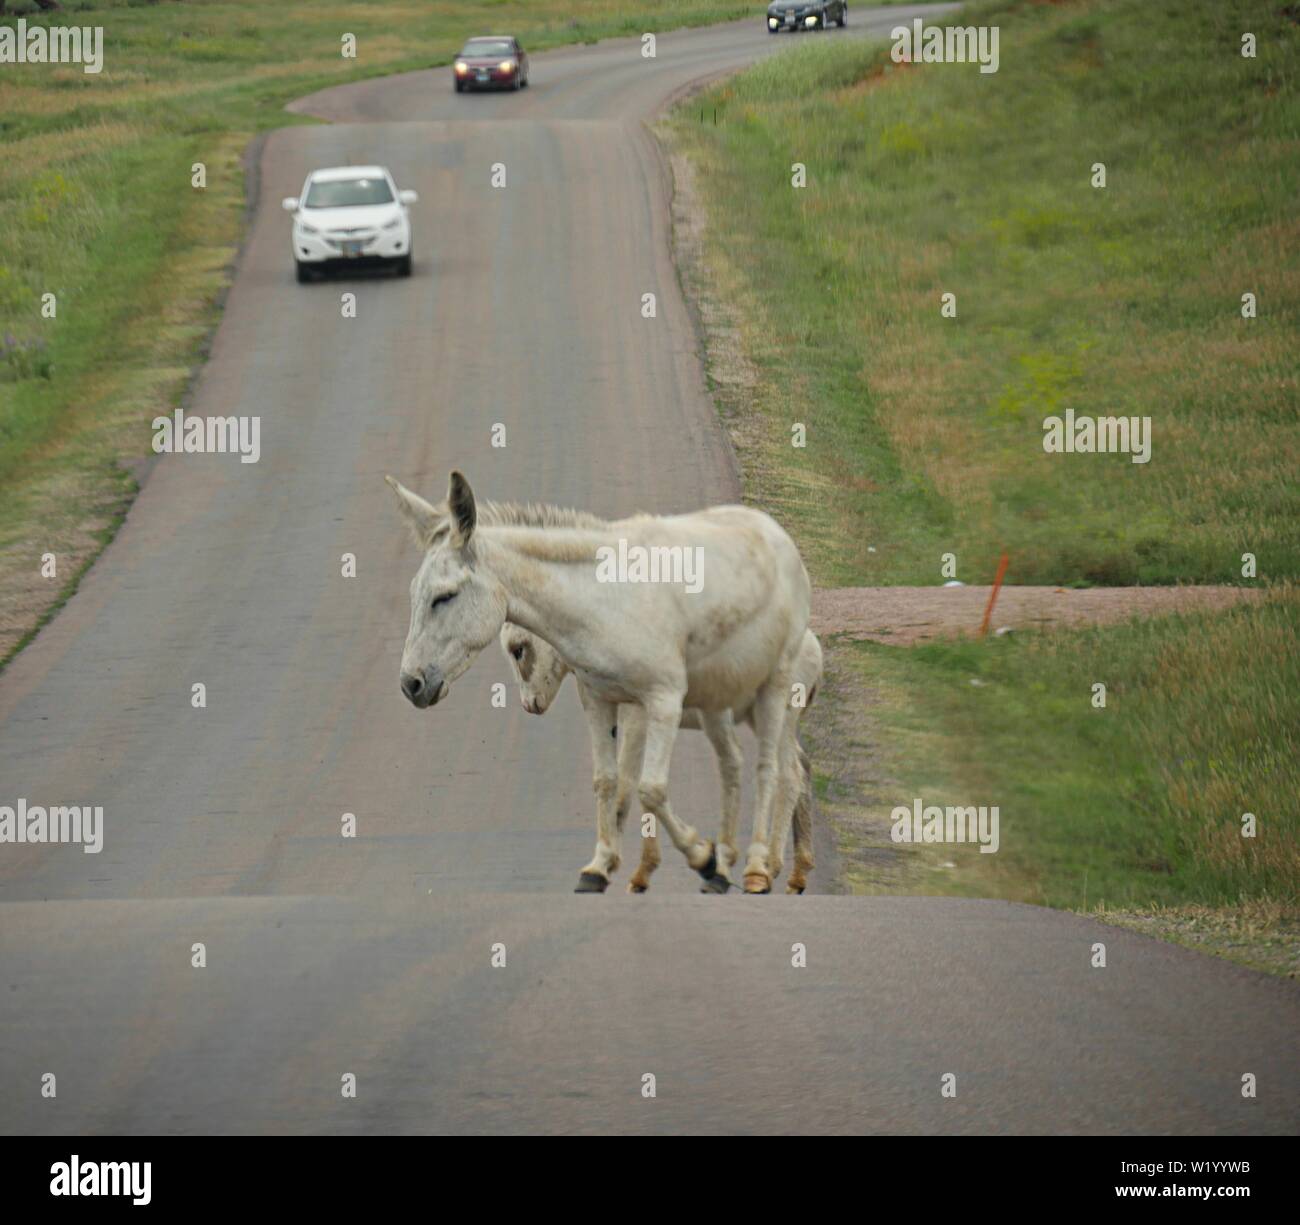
column 789, row 784
column 803, row 831
column 769, row 723
column 631, row 753
column 808, row 673
column 720, row 728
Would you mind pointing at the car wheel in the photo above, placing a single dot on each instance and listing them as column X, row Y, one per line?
column 844, row 16
column 458, row 86
column 404, row 265
column 523, row 84
column 304, row 273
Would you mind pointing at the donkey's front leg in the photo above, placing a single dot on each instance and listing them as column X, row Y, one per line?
column 602, row 722
column 631, row 752
column 663, row 716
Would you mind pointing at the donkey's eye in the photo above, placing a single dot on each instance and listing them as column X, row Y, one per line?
column 517, row 652
column 442, row 599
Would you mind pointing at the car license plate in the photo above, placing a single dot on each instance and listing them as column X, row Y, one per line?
column 351, row 248
column 481, row 75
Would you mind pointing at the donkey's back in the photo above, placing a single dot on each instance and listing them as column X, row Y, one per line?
column 752, row 607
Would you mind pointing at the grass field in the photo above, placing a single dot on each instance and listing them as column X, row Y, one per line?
column 924, row 434
column 1136, row 803
column 1132, row 812
column 98, row 208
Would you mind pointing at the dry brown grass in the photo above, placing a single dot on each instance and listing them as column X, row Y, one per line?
column 1260, row 933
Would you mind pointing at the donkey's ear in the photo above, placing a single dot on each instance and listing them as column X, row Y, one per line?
column 464, row 514
column 422, row 518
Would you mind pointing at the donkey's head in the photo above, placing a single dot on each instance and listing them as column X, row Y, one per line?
column 456, row 607
column 539, row 670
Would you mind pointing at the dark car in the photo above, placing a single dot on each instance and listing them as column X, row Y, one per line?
column 806, row 15
column 497, row 62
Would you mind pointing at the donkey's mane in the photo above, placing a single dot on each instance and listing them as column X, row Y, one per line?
column 563, row 535
column 536, row 514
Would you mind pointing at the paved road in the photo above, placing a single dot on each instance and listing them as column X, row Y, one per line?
column 371, row 955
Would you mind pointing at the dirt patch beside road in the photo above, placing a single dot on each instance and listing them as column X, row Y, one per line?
column 902, row 616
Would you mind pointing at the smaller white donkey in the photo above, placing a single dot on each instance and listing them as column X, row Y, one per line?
column 539, row 673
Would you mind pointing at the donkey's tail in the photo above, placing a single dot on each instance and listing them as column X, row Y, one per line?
column 801, row 819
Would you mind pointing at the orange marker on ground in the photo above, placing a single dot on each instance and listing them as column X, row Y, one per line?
column 993, row 595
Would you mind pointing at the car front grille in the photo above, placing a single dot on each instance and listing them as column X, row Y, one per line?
column 337, row 238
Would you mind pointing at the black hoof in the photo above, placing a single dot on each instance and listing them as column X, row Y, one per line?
column 716, row 884
column 591, row 882
column 710, row 869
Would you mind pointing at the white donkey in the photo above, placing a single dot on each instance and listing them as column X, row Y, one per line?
column 539, row 673
column 733, row 642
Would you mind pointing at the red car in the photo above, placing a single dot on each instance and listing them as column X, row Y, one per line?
column 485, row 63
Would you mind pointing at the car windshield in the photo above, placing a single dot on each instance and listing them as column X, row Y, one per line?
column 487, row 46
column 344, row 193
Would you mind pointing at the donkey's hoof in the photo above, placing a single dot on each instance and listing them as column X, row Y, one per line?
column 710, row 869
column 636, row 886
column 591, row 882
column 717, row 883
column 794, row 888
column 757, row 882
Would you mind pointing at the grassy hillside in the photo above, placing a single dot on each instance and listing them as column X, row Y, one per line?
column 925, row 433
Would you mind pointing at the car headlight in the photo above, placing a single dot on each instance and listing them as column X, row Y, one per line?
column 307, row 229
column 507, row 65
column 392, row 225
column 772, row 21
column 461, row 68
column 810, row 20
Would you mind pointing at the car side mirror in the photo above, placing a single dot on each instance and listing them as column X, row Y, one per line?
column 408, row 197
column 289, row 204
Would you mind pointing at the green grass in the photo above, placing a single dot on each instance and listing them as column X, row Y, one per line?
column 1135, row 805
column 924, row 434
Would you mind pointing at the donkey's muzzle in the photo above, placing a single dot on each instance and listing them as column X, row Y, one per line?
column 424, row 689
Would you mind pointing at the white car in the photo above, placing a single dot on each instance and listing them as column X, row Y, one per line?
column 350, row 216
